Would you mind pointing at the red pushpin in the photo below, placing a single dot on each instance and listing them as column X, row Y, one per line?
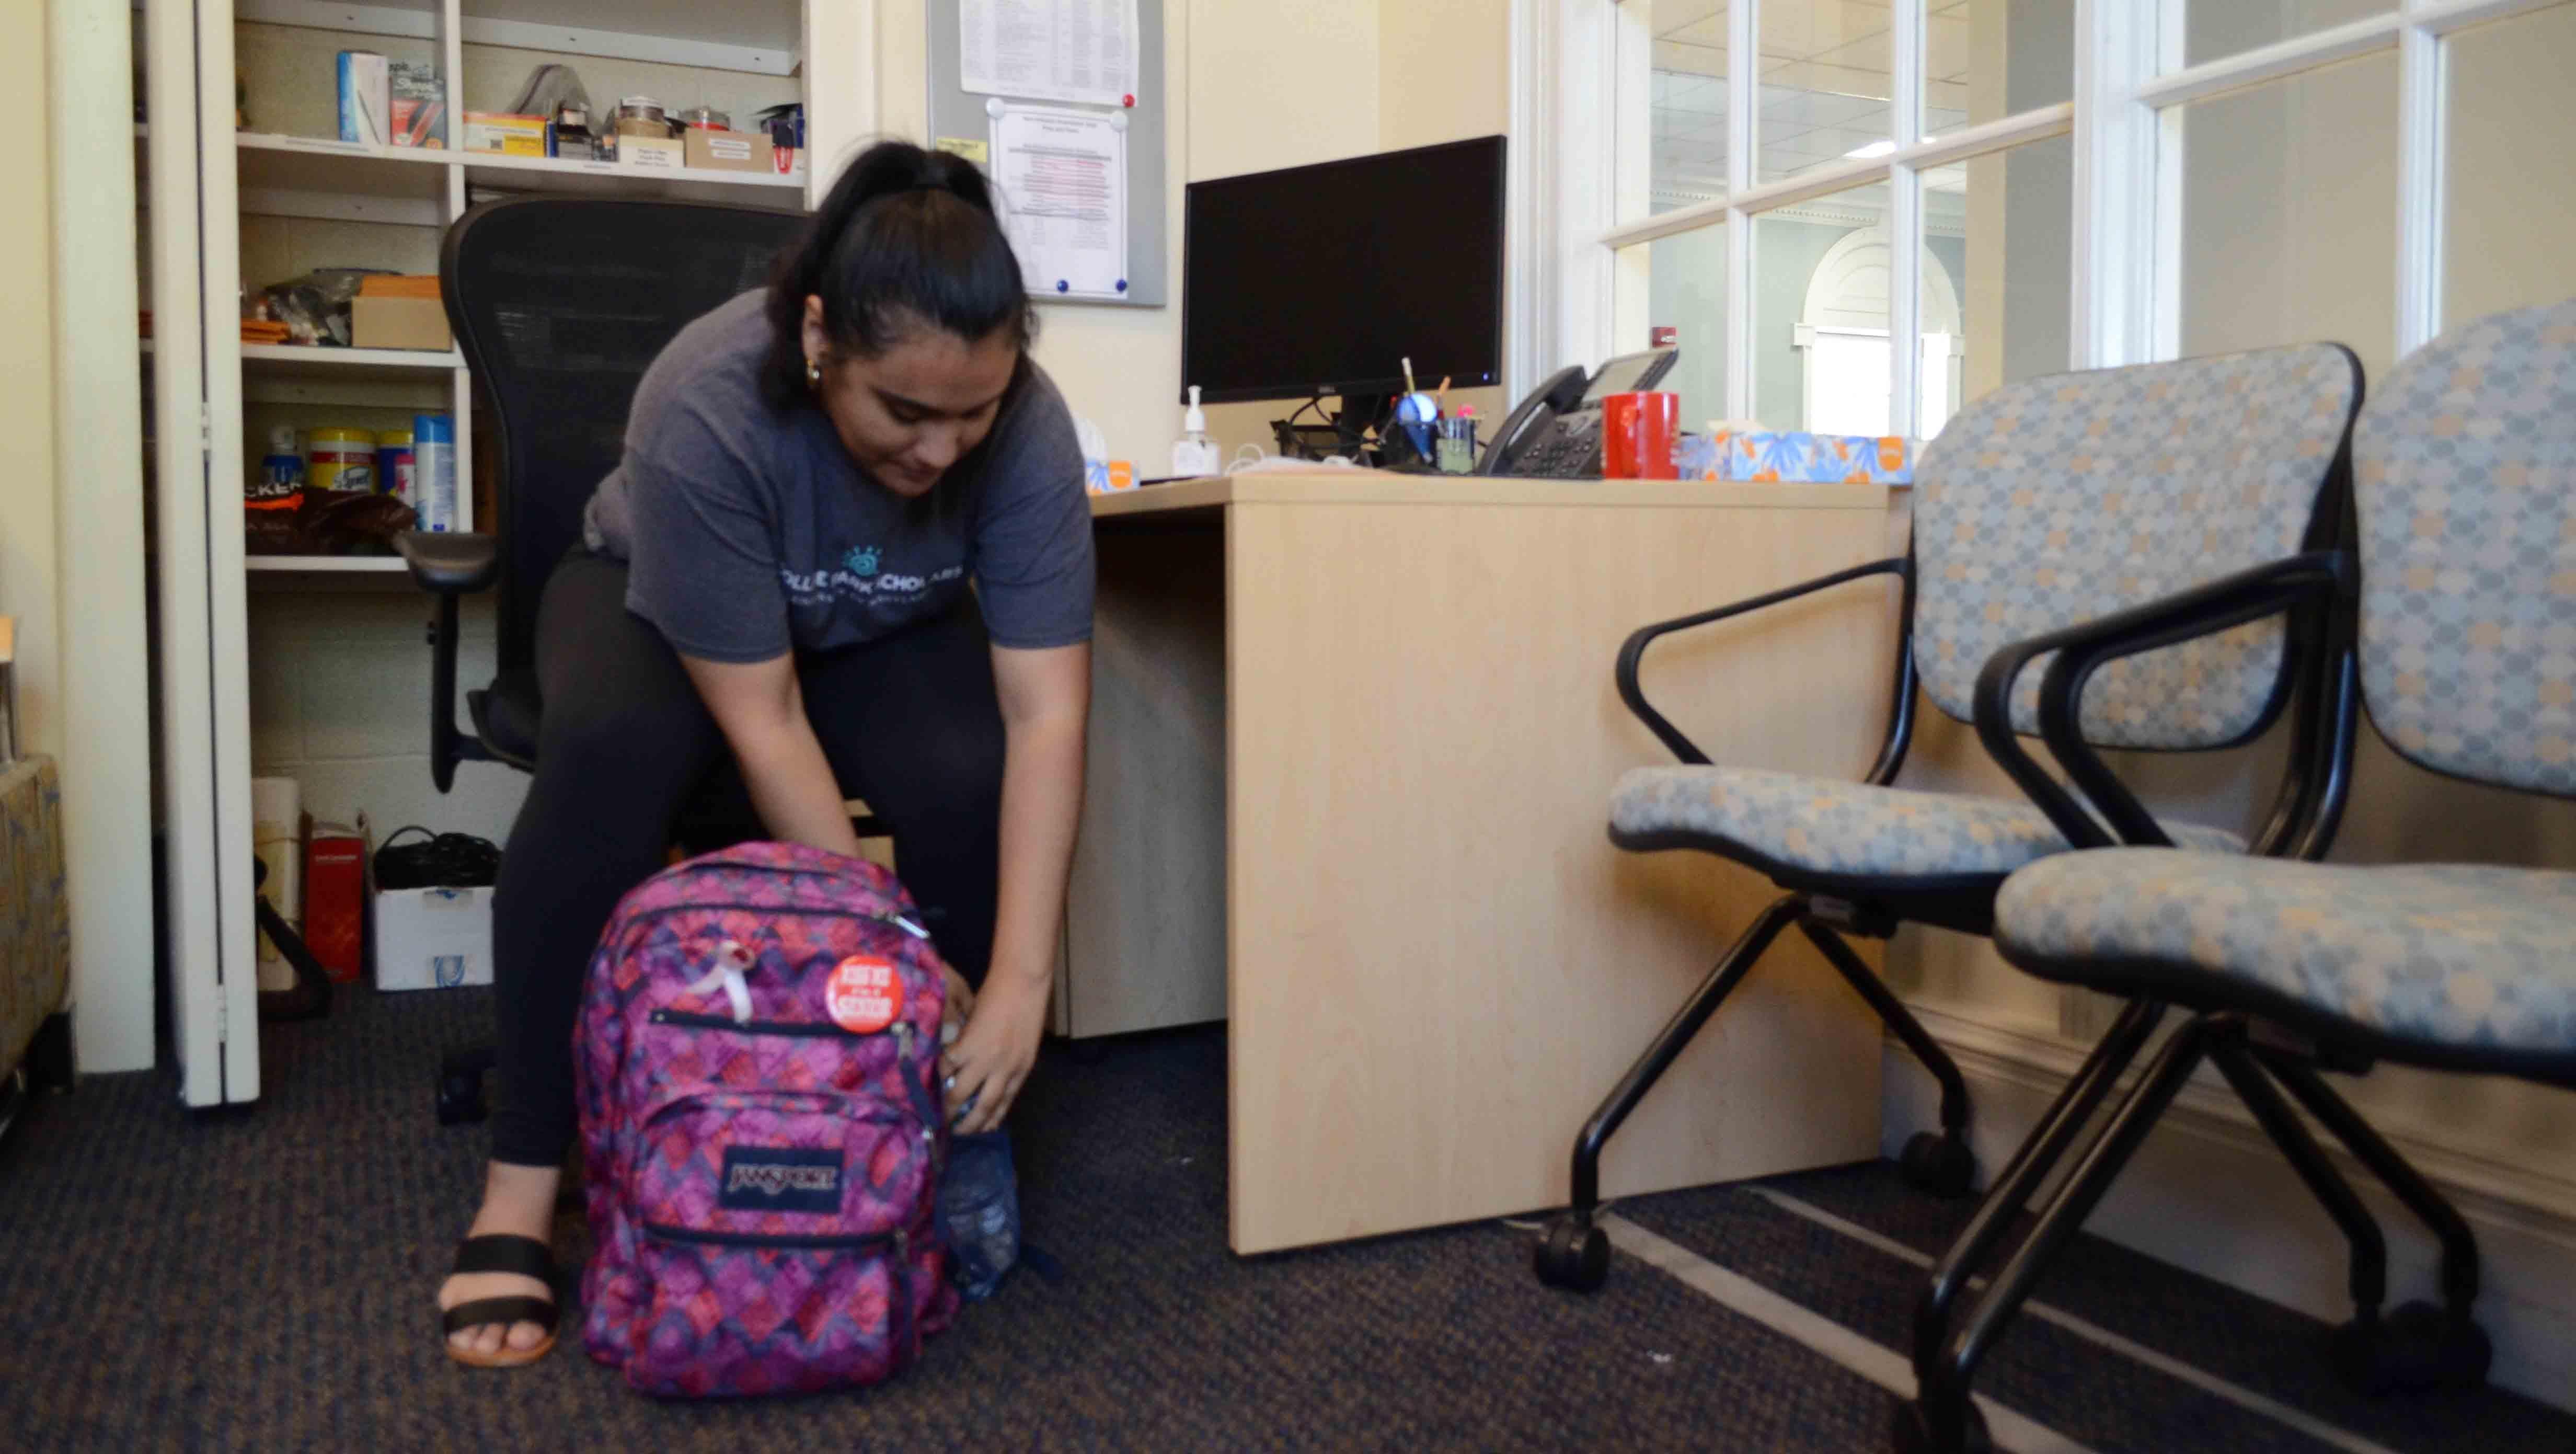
column 1127, row 101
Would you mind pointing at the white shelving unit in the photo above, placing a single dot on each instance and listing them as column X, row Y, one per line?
column 231, row 209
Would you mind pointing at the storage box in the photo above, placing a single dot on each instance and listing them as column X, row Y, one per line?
column 504, row 133
column 433, row 938
column 276, row 823
column 1769, row 456
column 419, row 105
column 399, row 312
column 727, row 151
column 365, row 98
column 335, row 897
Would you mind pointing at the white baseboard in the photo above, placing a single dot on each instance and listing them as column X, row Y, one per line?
column 2209, row 1193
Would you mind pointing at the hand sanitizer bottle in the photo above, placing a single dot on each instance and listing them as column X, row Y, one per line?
column 1194, row 453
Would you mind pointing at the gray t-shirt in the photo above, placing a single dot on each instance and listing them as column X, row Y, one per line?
column 749, row 533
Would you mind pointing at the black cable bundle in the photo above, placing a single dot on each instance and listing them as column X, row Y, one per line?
column 441, row 861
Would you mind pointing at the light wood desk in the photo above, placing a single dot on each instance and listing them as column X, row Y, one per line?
column 1352, row 746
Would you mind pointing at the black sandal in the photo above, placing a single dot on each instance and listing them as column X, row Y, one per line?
column 502, row 1252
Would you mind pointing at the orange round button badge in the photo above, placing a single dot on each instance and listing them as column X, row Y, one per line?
column 864, row 995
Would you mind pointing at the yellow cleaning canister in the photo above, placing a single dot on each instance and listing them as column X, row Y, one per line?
column 340, row 461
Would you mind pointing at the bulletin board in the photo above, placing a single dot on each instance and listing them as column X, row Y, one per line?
column 958, row 115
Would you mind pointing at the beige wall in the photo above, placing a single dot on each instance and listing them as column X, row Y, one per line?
column 28, row 569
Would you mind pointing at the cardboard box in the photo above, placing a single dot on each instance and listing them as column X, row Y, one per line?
column 366, row 98
column 419, row 107
column 727, row 151
column 659, row 153
column 392, row 312
column 335, row 897
column 504, row 133
column 433, row 938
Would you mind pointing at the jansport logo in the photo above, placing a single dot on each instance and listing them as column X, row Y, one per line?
column 781, row 1179
column 772, row 1180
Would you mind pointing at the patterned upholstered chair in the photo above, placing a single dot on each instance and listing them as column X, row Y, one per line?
column 2048, row 502
column 2465, row 477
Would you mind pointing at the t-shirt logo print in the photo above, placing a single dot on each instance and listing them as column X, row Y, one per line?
column 861, row 561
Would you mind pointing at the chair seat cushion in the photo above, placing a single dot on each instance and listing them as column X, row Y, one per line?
column 507, row 714
column 1830, row 828
column 2445, row 955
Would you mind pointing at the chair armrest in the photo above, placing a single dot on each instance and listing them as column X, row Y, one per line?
column 2203, row 610
column 1633, row 651
column 449, row 564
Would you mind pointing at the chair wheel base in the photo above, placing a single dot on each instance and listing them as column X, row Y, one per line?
column 1939, row 1164
column 2416, row 1349
column 1574, row 1255
column 1912, row 1432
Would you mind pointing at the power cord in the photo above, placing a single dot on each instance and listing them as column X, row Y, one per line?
column 441, row 861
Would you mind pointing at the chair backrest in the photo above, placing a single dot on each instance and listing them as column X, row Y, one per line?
column 2055, row 500
column 2464, row 470
column 559, row 305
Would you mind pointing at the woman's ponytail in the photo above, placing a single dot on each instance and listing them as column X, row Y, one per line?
column 906, row 239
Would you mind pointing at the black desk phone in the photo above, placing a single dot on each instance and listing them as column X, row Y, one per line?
column 1555, row 433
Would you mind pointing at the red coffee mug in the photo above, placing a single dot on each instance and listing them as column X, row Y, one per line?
column 1637, row 436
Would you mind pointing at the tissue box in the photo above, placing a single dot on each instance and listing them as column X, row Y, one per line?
column 1793, row 457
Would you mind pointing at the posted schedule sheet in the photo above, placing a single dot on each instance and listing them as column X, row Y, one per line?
column 1083, row 51
column 1063, row 176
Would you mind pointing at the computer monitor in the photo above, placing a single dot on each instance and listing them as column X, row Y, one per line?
column 1323, row 279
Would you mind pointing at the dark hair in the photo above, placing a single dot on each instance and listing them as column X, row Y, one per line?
column 906, row 238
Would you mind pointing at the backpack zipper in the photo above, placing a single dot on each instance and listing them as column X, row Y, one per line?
column 789, row 1240
column 690, row 1021
column 897, row 920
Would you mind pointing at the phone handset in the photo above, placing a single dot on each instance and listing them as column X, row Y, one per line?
column 1529, row 418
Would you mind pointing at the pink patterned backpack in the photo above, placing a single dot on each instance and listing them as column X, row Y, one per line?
column 758, row 1051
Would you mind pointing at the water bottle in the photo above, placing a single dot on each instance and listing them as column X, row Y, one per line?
column 979, row 1207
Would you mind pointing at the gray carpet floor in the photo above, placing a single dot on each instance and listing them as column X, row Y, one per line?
column 263, row 1280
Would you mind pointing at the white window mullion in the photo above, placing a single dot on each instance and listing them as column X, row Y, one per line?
column 1743, row 132
column 2421, row 107
column 2118, row 237
column 1904, row 220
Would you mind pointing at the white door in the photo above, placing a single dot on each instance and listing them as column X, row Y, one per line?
column 204, row 727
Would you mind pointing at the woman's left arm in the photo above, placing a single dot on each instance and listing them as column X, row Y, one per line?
column 1046, row 700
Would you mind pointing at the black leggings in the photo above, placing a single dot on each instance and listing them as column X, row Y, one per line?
column 909, row 723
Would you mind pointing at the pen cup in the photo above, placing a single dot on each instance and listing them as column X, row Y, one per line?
column 1638, row 432
column 1458, row 444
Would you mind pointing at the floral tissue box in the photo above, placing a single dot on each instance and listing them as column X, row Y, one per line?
column 1793, row 457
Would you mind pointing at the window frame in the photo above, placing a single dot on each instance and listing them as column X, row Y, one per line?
column 2125, row 117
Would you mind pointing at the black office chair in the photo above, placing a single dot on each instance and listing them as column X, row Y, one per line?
column 559, row 305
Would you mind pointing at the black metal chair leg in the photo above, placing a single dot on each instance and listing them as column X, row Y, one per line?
column 2459, row 1244
column 2417, row 1346
column 1574, row 1254
column 2039, row 1154
column 1939, row 1163
column 2368, row 1280
column 1941, row 1405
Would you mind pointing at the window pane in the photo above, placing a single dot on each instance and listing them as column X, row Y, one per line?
column 1820, row 273
column 2289, row 214
column 2215, row 28
column 2509, row 188
column 1985, row 59
column 1686, row 290
column 1689, row 102
column 1825, row 68
column 1995, row 309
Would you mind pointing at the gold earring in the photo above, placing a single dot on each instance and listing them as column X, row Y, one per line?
column 813, row 374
